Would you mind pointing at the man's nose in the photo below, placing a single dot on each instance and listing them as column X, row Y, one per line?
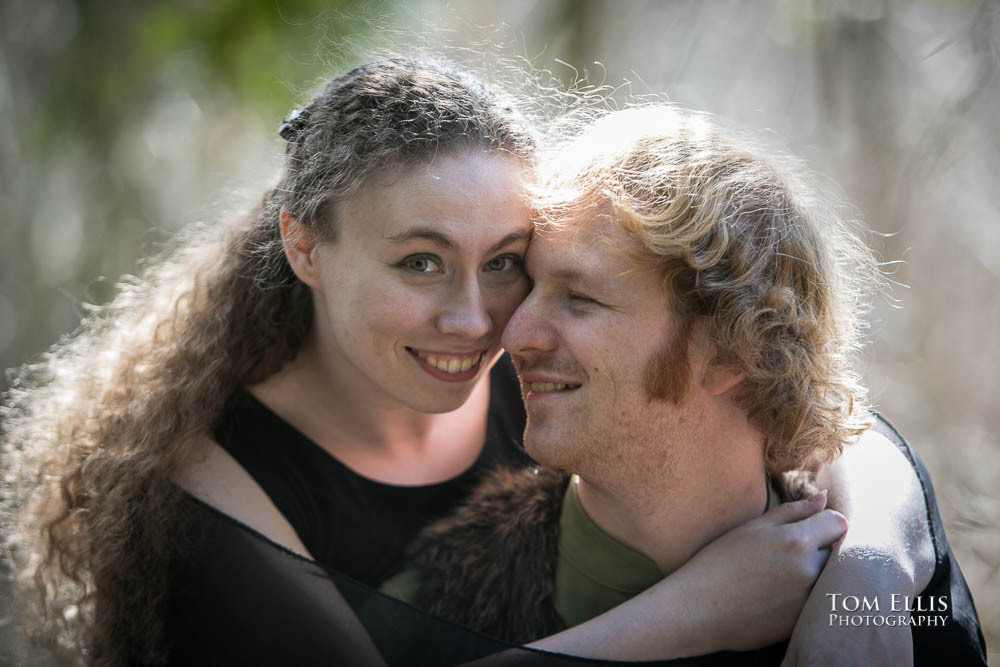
column 528, row 329
column 465, row 314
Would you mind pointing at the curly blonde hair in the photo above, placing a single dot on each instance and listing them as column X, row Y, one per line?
column 94, row 431
column 783, row 281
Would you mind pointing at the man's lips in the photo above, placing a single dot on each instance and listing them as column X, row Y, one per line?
column 538, row 383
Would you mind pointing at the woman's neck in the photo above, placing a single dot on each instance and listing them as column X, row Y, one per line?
column 372, row 434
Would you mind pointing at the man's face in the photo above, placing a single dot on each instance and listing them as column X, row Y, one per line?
column 584, row 342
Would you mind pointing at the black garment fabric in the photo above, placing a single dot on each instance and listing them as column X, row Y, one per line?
column 491, row 566
column 239, row 599
column 960, row 641
column 349, row 523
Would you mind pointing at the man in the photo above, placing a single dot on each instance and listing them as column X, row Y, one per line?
column 688, row 338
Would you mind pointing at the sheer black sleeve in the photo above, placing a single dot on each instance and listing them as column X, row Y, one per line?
column 239, row 599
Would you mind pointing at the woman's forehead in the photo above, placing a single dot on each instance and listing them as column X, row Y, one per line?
column 454, row 197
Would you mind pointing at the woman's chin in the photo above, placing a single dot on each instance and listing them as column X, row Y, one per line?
column 439, row 404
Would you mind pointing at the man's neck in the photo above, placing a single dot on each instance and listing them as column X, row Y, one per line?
column 669, row 517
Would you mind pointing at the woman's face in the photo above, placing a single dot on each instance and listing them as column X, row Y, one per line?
column 425, row 271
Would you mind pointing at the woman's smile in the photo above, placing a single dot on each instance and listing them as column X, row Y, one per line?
column 449, row 367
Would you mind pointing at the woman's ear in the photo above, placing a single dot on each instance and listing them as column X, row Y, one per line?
column 300, row 249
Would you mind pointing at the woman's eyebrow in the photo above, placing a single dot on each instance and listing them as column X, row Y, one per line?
column 426, row 233
column 513, row 237
column 438, row 238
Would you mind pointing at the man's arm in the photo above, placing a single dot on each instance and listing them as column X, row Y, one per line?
column 887, row 549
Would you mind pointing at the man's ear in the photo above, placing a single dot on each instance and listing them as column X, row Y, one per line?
column 720, row 378
column 300, row 249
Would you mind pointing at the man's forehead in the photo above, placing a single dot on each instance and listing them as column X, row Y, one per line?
column 589, row 242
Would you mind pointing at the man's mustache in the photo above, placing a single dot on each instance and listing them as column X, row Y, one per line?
column 545, row 364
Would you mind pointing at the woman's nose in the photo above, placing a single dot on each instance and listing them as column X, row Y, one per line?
column 465, row 315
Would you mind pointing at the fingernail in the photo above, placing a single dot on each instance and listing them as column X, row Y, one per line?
column 814, row 498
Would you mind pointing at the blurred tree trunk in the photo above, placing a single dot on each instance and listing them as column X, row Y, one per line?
column 857, row 77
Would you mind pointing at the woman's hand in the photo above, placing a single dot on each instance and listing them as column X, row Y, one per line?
column 745, row 589
column 742, row 591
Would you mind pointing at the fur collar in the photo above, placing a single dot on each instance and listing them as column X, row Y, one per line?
column 491, row 566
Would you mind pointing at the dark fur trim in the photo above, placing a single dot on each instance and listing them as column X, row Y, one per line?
column 491, row 566
column 794, row 485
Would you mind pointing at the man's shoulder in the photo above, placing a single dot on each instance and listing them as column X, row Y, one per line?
column 506, row 504
column 465, row 561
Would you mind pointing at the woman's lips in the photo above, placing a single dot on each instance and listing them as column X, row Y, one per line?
column 449, row 366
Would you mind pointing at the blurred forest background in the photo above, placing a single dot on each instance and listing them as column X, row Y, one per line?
column 123, row 120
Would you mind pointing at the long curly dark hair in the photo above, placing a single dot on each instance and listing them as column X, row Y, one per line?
column 93, row 432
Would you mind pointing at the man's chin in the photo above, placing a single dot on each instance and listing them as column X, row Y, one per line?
column 548, row 449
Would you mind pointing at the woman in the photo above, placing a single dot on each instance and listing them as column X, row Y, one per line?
column 321, row 372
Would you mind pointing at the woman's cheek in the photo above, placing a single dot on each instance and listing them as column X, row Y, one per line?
column 509, row 299
column 399, row 312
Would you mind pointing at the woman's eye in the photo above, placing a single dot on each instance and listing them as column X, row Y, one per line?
column 505, row 263
column 421, row 264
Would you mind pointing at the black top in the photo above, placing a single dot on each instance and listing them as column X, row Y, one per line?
column 237, row 598
column 952, row 636
column 350, row 523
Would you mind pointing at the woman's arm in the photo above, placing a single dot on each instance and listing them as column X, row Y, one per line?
column 742, row 591
column 887, row 549
column 745, row 589
column 214, row 477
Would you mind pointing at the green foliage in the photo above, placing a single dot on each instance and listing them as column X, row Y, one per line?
column 122, row 55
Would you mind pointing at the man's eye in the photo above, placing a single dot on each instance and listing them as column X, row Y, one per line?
column 580, row 304
column 421, row 264
column 505, row 263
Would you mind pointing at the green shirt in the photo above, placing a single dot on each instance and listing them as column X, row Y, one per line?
column 595, row 571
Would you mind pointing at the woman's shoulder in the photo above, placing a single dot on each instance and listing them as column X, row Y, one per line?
column 214, row 477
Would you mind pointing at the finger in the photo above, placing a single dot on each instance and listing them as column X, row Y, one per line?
column 794, row 511
column 823, row 529
column 817, row 561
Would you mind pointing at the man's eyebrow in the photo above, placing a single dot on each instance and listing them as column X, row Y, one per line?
column 606, row 286
column 426, row 233
column 570, row 275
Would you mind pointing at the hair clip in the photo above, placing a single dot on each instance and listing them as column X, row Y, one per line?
column 292, row 124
